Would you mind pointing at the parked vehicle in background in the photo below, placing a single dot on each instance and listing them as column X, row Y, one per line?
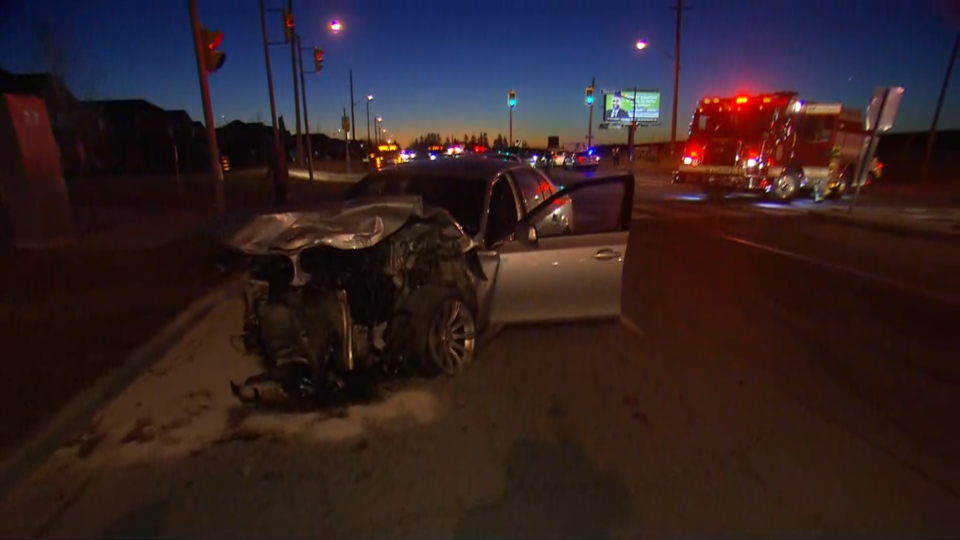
column 588, row 160
column 773, row 144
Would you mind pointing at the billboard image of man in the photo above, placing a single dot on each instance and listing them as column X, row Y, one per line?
column 615, row 111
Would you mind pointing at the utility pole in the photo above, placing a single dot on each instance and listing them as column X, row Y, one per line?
column 278, row 178
column 216, row 172
column 936, row 115
column 676, row 82
column 296, row 94
column 369, row 141
column 306, row 117
column 593, row 85
column 353, row 120
column 346, row 135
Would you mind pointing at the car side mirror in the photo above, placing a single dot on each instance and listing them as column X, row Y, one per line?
column 526, row 233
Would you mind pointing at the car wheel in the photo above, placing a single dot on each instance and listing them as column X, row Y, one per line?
column 445, row 329
column 785, row 187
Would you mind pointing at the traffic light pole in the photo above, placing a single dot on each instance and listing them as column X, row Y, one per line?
column 306, row 118
column 593, row 84
column 278, row 178
column 296, row 96
column 510, row 142
column 216, row 172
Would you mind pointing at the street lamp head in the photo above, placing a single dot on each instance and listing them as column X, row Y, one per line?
column 335, row 26
column 379, row 119
column 370, row 97
column 641, row 45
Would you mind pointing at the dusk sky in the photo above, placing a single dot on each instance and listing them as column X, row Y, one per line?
column 447, row 66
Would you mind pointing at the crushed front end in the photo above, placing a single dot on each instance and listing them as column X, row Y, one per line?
column 332, row 308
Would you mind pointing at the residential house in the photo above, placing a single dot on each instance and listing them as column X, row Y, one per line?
column 134, row 135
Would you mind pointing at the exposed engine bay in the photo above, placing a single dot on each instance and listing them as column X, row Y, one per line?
column 340, row 293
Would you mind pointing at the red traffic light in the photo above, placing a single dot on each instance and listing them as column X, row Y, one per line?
column 212, row 58
column 318, row 58
column 287, row 25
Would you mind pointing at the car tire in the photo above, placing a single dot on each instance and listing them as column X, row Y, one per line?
column 785, row 187
column 444, row 330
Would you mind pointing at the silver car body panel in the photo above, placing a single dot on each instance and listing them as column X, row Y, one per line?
column 558, row 279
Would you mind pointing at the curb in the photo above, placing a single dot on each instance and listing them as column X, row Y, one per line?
column 892, row 228
column 77, row 414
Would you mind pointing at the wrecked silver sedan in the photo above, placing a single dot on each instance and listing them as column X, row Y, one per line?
column 418, row 262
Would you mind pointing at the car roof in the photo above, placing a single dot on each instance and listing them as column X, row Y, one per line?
column 465, row 168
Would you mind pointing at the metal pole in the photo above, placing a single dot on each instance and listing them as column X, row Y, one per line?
column 176, row 166
column 216, row 172
column 306, row 118
column 346, row 132
column 936, row 114
column 510, row 142
column 277, row 178
column 593, row 84
column 862, row 171
column 296, row 91
column 353, row 120
column 369, row 142
column 676, row 82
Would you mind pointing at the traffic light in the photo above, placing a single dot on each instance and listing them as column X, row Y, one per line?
column 318, row 58
column 212, row 58
column 287, row 25
column 512, row 98
column 589, row 96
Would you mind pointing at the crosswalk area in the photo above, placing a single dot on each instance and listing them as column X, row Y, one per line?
column 691, row 210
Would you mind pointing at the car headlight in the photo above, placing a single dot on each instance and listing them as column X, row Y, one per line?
column 688, row 161
column 751, row 163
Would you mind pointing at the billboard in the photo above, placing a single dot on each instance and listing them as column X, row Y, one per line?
column 623, row 107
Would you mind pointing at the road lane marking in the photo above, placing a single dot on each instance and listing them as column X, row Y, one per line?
column 895, row 283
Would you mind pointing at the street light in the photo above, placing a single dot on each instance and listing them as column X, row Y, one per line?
column 369, row 99
column 376, row 126
column 335, row 26
column 641, row 45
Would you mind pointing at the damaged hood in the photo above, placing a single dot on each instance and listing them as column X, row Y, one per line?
column 355, row 224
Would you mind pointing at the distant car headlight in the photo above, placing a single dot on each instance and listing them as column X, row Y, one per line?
column 751, row 162
column 688, row 160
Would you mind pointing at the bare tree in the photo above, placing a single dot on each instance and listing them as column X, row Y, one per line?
column 56, row 46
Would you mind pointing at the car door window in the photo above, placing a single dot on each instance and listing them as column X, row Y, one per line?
column 601, row 206
column 531, row 186
column 502, row 218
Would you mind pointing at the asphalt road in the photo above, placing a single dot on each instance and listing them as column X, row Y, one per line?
column 771, row 374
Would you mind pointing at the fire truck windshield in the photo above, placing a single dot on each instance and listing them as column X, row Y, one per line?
column 726, row 123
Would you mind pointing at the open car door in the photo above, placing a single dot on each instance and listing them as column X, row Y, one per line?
column 565, row 260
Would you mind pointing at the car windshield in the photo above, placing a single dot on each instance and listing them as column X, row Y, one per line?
column 731, row 123
column 463, row 198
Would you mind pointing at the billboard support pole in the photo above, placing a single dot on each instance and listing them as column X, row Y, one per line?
column 593, row 84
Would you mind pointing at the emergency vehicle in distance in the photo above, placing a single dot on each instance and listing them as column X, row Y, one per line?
column 773, row 144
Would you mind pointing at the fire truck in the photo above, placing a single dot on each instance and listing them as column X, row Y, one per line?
column 774, row 144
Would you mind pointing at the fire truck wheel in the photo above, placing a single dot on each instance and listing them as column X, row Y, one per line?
column 785, row 187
